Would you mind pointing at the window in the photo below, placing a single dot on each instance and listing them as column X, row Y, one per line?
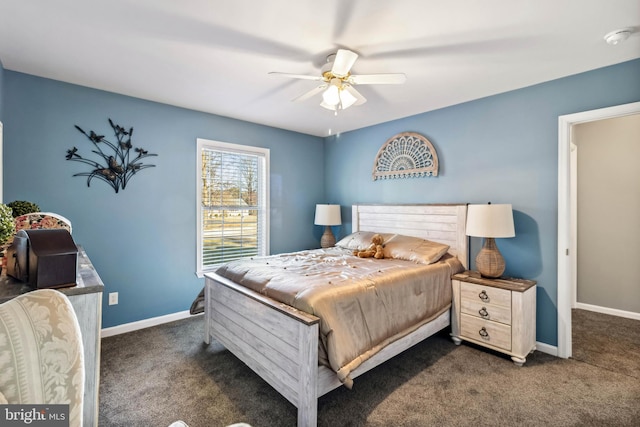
column 233, row 197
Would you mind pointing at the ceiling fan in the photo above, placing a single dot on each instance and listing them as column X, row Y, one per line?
column 337, row 88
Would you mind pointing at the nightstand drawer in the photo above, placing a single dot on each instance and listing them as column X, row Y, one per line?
column 485, row 331
column 486, row 311
column 486, row 294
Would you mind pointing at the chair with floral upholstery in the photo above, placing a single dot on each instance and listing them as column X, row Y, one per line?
column 42, row 359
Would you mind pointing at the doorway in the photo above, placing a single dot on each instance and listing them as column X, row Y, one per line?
column 566, row 214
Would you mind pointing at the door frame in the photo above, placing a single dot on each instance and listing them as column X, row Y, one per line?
column 567, row 251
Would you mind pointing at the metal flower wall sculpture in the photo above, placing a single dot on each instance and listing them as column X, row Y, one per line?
column 118, row 167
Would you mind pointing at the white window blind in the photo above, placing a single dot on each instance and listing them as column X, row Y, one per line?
column 233, row 194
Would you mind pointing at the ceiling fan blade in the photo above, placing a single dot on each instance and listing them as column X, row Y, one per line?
column 343, row 62
column 296, row 76
column 309, row 94
column 378, row 79
column 360, row 99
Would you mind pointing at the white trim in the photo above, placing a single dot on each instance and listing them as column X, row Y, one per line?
column 607, row 310
column 565, row 241
column 573, row 256
column 146, row 323
column 546, row 348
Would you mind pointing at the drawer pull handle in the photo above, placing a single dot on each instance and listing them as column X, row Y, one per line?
column 483, row 313
column 483, row 296
column 484, row 334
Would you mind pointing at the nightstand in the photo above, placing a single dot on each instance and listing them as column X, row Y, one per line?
column 495, row 313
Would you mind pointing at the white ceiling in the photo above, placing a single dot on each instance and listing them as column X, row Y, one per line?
column 214, row 56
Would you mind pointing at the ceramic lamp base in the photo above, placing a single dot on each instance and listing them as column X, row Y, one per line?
column 328, row 239
column 489, row 261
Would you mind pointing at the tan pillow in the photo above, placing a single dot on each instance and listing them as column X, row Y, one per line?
column 420, row 251
column 361, row 240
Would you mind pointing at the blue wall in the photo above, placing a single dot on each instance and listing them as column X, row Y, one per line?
column 502, row 149
column 142, row 240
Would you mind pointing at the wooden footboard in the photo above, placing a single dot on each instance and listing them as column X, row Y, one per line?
column 280, row 343
column 276, row 341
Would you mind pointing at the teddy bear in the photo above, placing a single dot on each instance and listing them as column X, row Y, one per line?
column 374, row 250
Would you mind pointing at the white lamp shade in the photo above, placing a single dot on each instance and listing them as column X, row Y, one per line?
column 328, row 215
column 329, row 107
column 346, row 99
column 490, row 221
column 331, row 96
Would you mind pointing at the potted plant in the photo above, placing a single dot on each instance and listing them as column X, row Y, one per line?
column 7, row 224
column 22, row 207
column 7, row 228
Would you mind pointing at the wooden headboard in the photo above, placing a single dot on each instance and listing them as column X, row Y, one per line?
column 440, row 223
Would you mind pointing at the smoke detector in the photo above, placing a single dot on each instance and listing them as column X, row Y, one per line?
column 618, row 36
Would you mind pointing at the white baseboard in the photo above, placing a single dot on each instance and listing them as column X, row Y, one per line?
column 607, row 310
column 546, row 348
column 146, row 323
column 154, row 321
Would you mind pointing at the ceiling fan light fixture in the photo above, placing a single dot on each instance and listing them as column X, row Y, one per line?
column 347, row 100
column 333, row 108
column 331, row 96
column 337, row 87
column 328, row 107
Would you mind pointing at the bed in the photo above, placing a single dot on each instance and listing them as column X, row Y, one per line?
column 283, row 344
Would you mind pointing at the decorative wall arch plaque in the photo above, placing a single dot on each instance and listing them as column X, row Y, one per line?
column 406, row 155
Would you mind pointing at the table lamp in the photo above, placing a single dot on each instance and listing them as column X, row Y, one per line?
column 327, row 215
column 490, row 221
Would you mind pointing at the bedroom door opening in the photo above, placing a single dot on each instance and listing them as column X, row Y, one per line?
column 567, row 239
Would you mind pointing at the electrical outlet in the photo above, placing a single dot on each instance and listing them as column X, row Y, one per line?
column 113, row 298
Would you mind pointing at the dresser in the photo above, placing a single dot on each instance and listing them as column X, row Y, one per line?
column 86, row 298
column 499, row 314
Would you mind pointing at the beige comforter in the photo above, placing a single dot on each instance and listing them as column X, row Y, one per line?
column 363, row 303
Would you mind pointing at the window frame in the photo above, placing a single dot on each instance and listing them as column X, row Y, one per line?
column 235, row 149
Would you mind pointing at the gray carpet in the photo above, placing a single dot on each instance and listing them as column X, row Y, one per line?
column 609, row 342
column 155, row 376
